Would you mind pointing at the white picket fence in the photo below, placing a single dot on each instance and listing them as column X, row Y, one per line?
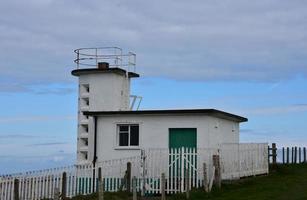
column 35, row 184
column 80, row 179
column 236, row 160
column 174, row 163
column 112, row 171
column 241, row 160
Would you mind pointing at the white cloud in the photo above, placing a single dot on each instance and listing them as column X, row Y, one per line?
column 58, row 158
column 205, row 40
column 14, row 119
column 49, row 144
column 278, row 110
column 17, row 136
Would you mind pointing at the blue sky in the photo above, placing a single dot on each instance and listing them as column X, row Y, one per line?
column 248, row 58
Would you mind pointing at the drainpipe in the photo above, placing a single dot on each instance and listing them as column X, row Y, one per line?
column 95, row 140
column 95, row 152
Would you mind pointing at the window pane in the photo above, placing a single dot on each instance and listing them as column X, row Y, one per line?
column 123, row 128
column 123, row 139
column 134, row 135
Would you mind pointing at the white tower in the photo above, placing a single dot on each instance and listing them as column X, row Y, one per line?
column 104, row 85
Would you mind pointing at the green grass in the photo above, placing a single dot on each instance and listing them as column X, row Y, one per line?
column 107, row 196
column 287, row 182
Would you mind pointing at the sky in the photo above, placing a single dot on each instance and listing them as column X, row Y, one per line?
column 244, row 57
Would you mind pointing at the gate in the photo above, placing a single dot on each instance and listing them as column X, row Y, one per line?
column 178, row 164
column 182, row 166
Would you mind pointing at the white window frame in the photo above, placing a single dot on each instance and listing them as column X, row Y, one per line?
column 118, row 135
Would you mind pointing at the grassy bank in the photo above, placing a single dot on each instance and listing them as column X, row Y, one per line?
column 287, row 182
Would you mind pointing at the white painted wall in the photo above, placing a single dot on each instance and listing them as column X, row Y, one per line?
column 108, row 92
column 154, row 130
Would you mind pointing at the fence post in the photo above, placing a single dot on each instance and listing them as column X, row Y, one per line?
column 134, row 197
column 269, row 155
column 304, row 154
column 274, row 154
column 56, row 194
column 292, row 155
column 100, row 184
column 299, row 155
column 64, row 184
column 217, row 173
column 287, row 155
column 16, row 189
column 283, row 155
column 205, row 177
column 163, row 186
column 128, row 178
column 187, row 184
column 143, row 157
column 295, row 155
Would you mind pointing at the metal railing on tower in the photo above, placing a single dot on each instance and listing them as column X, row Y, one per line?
column 90, row 57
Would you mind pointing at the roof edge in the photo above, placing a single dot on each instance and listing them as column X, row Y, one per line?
column 210, row 112
column 116, row 70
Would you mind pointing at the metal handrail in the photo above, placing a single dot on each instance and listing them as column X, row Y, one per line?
column 90, row 57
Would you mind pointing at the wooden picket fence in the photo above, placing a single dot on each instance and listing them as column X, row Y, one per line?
column 175, row 163
column 182, row 168
column 287, row 155
column 242, row 160
column 294, row 155
column 113, row 173
column 35, row 184
column 80, row 179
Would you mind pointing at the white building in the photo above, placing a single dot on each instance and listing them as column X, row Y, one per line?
column 108, row 128
column 113, row 135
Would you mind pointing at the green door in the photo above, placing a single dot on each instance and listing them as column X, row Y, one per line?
column 181, row 160
column 182, row 137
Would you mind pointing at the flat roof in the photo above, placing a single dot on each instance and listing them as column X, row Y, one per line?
column 209, row 112
column 116, row 70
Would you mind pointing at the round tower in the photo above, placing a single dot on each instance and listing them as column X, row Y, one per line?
column 104, row 85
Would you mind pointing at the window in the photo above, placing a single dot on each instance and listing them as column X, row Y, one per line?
column 86, row 88
column 85, row 102
column 128, row 135
column 84, row 128
column 85, row 141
